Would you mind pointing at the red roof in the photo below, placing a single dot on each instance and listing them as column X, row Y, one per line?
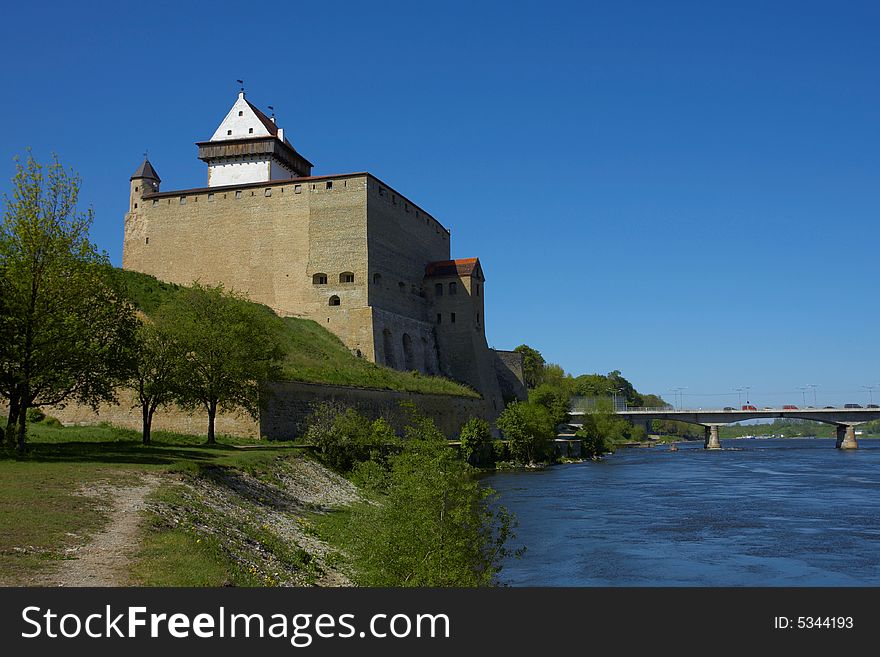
column 460, row 267
column 265, row 120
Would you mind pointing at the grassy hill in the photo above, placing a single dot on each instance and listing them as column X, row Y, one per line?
column 313, row 353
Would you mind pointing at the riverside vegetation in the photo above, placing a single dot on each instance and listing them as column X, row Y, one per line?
column 73, row 329
column 379, row 509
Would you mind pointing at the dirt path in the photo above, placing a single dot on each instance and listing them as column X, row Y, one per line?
column 104, row 560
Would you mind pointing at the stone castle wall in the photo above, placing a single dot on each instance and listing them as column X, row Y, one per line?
column 286, row 413
column 509, row 370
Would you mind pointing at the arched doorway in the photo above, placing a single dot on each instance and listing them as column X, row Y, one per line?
column 408, row 359
column 388, row 348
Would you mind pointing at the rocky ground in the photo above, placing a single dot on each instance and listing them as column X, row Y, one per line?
column 261, row 520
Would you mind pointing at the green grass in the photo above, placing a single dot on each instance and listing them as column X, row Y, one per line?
column 181, row 556
column 42, row 514
column 313, row 354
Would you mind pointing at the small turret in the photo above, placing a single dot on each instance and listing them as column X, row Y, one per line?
column 144, row 180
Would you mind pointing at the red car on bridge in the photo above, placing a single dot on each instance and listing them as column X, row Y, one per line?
column 749, row 407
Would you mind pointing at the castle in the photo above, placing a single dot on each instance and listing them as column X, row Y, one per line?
column 345, row 250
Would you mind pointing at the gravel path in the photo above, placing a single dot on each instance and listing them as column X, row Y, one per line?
column 104, row 560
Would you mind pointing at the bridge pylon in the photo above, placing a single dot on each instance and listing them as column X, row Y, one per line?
column 846, row 437
column 712, row 440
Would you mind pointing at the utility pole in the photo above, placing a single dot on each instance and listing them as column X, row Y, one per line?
column 813, row 386
column 803, row 390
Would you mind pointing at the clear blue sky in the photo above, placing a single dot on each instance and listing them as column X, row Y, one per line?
column 685, row 192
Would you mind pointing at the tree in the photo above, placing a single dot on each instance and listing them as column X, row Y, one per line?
column 65, row 327
column 343, row 438
column 232, row 350
column 434, row 526
column 555, row 400
column 476, row 441
column 529, row 429
column 533, row 365
column 155, row 370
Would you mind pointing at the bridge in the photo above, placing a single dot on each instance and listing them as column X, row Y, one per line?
column 845, row 419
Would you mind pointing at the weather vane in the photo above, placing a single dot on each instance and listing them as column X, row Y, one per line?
column 241, row 82
column 271, row 109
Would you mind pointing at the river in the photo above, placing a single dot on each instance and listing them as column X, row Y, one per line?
column 793, row 512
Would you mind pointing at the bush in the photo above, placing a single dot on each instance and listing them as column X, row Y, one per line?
column 436, row 525
column 35, row 415
column 370, row 476
column 476, row 442
column 499, row 448
column 530, row 430
column 343, row 437
column 52, row 422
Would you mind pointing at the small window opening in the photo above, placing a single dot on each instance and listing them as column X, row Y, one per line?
column 155, row 202
column 135, row 189
column 268, row 192
column 453, row 288
column 135, row 205
column 452, row 317
column 240, row 113
column 346, row 277
column 228, row 132
column 183, row 200
column 211, row 196
column 319, row 279
column 147, row 241
column 377, row 278
column 334, row 300
column 250, row 131
column 238, row 194
column 329, row 184
column 438, row 289
column 297, row 189
column 401, row 286
column 439, row 318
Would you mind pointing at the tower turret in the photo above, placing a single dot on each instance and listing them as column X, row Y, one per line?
column 144, row 180
column 248, row 147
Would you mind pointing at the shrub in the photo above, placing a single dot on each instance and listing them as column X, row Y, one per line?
column 529, row 429
column 343, row 437
column 52, row 422
column 436, row 526
column 35, row 415
column 476, row 442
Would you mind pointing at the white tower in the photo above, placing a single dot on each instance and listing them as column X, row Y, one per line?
column 248, row 147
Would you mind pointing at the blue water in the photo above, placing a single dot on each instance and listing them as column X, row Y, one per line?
column 757, row 513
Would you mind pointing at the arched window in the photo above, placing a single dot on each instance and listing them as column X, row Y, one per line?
column 334, row 300
column 476, row 289
column 319, row 279
column 388, row 348
column 377, row 278
column 408, row 359
column 346, row 277
column 426, row 356
column 438, row 289
column 453, row 288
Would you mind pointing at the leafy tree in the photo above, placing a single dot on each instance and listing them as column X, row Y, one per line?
column 434, row 526
column 476, row 442
column 533, row 365
column 344, row 438
column 555, row 399
column 155, row 374
column 65, row 328
column 232, row 350
column 529, row 429
column 593, row 444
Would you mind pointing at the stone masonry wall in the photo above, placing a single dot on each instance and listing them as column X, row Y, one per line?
column 287, row 411
column 293, row 401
